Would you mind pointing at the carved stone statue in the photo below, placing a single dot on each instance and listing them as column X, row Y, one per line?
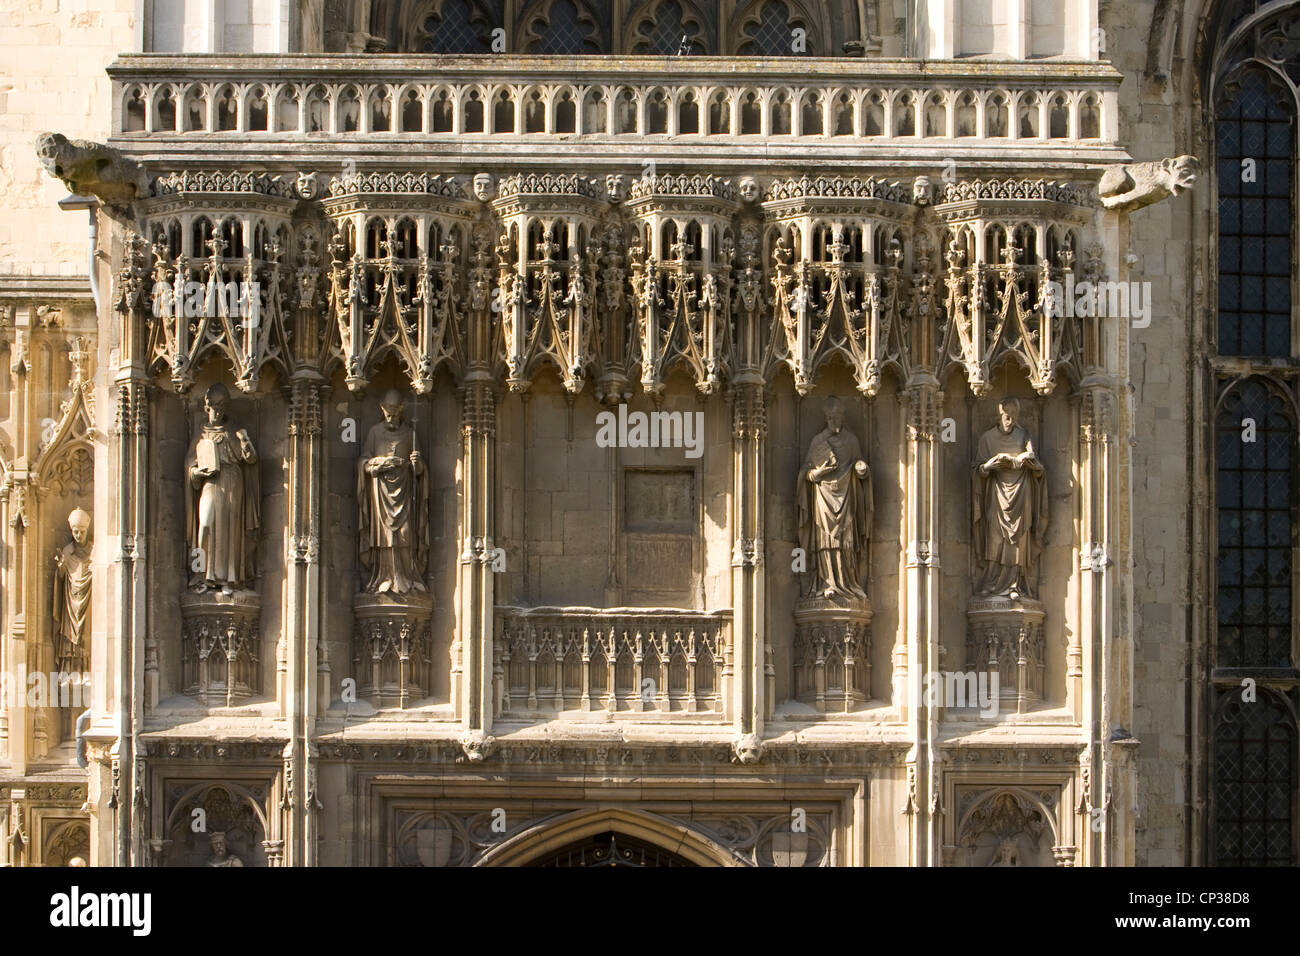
column 72, row 583
column 1010, row 508
column 835, row 509
column 1131, row 186
column 393, row 505
column 223, row 515
column 1007, row 854
column 221, row 856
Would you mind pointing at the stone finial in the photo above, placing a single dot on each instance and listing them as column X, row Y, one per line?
column 1131, row 186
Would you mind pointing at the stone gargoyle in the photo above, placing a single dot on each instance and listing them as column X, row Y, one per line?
column 1134, row 185
column 92, row 169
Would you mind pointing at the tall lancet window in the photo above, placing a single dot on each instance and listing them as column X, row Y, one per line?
column 1253, row 813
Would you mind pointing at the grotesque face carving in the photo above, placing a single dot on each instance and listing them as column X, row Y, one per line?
column 306, row 184
column 749, row 191
column 1182, row 172
column 485, row 187
column 616, row 188
column 921, row 190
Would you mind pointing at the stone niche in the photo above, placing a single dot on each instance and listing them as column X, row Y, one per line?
column 1021, row 637
column 837, row 656
column 234, row 832
column 396, row 647
column 228, row 641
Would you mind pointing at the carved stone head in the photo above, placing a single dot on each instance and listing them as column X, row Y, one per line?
column 217, row 842
column 214, row 403
column 391, row 406
column 616, row 187
column 306, row 185
column 1008, row 413
column 922, row 190
column 749, row 191
column 1181, row 172
column 79, row 523
column 485, row 187
column 834, row 412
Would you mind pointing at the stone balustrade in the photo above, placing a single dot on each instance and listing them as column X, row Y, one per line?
column 696, row 98
column 619, row 659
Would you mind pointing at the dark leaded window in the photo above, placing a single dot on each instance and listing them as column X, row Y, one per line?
column 458, row 27
column 1256, row 139
column 564, row 32
column 666, row 34
column 1254, row 776
column 1255, row 438
column 773, row 34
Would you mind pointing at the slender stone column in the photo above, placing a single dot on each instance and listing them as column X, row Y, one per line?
column 131, row 587
column 301, row 698
column 750, row 705
column 922, row 586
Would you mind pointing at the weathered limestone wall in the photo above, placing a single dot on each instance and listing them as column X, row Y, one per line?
column 1153, row 122
column 52, row 77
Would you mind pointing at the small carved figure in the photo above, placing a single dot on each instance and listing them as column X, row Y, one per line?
column 1008, row 854
column 1010, row 507
column 221, row 855
column 224, row 516
column 835, row 509
column 749, row 191
column 393, row 504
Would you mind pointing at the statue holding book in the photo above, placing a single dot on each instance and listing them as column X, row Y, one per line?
column 223, row 505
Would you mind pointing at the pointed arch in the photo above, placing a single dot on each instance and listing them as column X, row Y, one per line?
column 537, row 841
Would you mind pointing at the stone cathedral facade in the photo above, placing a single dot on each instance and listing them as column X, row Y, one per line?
column 542, row 432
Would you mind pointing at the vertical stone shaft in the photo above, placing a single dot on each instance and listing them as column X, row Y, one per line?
column 750, row 706
column 921, row 594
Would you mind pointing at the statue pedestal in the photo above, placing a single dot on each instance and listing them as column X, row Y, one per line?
column 392, row 650
column 832, row 653
column 1005, row 637
column 221, row 655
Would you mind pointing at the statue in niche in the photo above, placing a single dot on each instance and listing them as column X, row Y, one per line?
column 1010, row 508
column 221, row 855
column 392, row 503
column 72, row 581
column 835, row 510
column 224, row 503
column 72, row 585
